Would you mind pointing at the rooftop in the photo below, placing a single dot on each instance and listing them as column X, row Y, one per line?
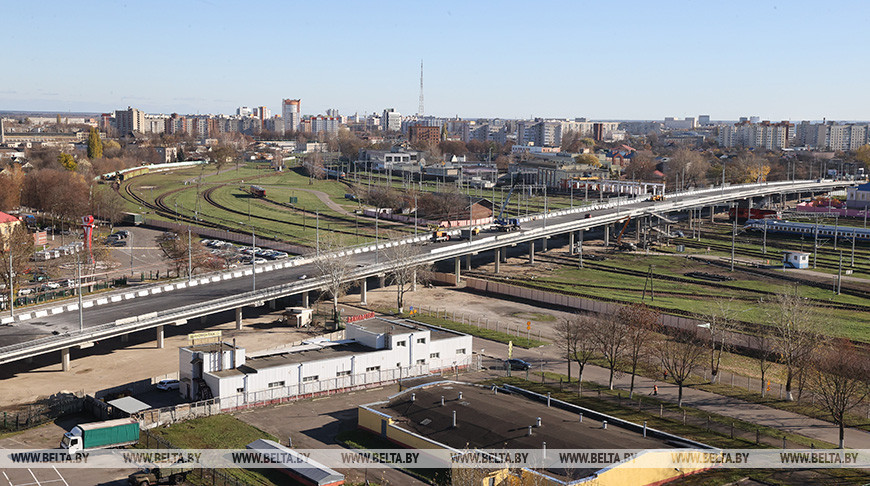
column 489, row 421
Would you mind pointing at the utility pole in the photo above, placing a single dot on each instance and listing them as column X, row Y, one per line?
column 840, row 273
column 189, row 256
column 317, row 232
column 253, row 259
column 733, row 235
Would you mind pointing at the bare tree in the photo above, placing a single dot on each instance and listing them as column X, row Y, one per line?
column 567, row 336
column 719, row 325
column 796, row 331
column 183, row 252
column 839, row 376
column 679, row 356
column 584, row 347
column 765, row 352
column 17, row 248
column 641, row 325
column 406, row 272
column 334, row 264
column 612, row 341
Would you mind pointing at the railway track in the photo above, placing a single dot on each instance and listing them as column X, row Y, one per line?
column 709, row 284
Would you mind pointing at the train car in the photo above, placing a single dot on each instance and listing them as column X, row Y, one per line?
column 258, row 191
column 335, row 174
column 744, row 214
column 808, row 230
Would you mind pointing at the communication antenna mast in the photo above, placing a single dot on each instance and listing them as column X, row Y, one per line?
column 420, row 108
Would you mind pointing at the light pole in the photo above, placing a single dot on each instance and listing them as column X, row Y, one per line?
column 189, row 257
column 11, row 287
column 253, row 256
column 79, row 278
column 317, row 232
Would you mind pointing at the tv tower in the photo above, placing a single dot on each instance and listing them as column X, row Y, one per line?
column 420, row 108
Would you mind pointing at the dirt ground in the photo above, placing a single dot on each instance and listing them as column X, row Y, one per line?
column 108, row 364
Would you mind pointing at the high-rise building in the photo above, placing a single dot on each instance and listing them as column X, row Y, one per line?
column 703, row 120
column 2, row 133
column 328, row 124
column 391, row 121
column 291, row 111
column 243, row 111
column 766, row 135
column 129, row 120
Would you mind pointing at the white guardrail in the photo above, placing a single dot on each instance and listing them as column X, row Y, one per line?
column 154, row 319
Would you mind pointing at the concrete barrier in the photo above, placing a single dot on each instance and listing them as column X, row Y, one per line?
column 116, row 298
column 41, row 313
column 102, row 301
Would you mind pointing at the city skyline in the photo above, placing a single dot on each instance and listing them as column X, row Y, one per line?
column 629, row 60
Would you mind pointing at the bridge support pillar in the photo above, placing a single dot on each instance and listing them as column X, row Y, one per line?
column 468, row 261
column 272, row 304
column 414, row 281
column 607, row 235
column 457, row 267
column 712, row 212
column 504, row 251
column 498, row 260
column 125, row 338
column 571, row 243
column 544, row 244
column 159, row 337
column 637, row 223
column 203, row 319
column 238, row 318
column 580, row 246
column 532, row 252
column 363, row 287
column 64, row 359
column 383, row 281
column 305, row 299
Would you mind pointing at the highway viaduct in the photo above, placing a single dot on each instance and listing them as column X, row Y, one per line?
column 63, row 326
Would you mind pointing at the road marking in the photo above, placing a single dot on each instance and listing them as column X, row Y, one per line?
column 34, row 478
column 7, row 478
column 60, row 476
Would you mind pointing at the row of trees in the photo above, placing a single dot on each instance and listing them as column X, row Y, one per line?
column 833, row 369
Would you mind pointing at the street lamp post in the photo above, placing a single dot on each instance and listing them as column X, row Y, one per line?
column 317, row 232
column 79, row 278
column 11, row 287
column 253, row 256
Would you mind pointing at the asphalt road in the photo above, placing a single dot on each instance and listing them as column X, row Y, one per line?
column 98, row 315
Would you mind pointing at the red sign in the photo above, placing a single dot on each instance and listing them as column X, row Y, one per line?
column 360, row 317
column 40, row 238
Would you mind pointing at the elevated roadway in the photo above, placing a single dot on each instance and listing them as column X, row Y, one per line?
column 56, row 327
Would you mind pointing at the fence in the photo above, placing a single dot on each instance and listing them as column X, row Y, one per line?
column 149, row 419
column 339, row 384
column 40, row 413
column 208, row 476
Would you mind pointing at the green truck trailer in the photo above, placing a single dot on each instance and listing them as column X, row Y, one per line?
column 98, row 435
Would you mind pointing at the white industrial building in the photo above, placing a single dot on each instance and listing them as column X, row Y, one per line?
column 373, row 351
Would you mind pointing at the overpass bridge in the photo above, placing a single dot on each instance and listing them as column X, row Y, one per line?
column 63, row 326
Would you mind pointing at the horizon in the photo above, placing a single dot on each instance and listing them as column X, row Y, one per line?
column 630, row 60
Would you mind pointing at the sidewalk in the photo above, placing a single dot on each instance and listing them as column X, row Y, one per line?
column 701, row 400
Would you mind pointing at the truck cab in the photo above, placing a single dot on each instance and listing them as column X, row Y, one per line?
column 72, row 442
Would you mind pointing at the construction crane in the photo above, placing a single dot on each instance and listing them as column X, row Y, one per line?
column 509, row 224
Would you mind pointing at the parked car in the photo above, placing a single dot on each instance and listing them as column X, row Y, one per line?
column 51, row 285
column 118, row 242
column 517, row 364
column 166, row 385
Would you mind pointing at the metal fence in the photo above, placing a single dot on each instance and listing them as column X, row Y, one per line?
column 207, row 476
column 40, row 413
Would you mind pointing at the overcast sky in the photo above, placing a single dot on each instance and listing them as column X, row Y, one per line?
column 606, row 60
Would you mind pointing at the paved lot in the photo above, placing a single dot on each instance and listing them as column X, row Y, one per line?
column 48, row 437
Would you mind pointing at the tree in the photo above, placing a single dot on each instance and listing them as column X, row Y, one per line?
column 839, row 376
column 221, row 154
column 719, row 326
column 641, row 166
column 406, row 271
column 679, row 356
column 334, row 265
column 764, row 352
column 107, row 204
column 611, row 339
column 686, row 168
column 572, row 336
column 642, row 324
column 863, row 154
column 17, row 246
column 67, row 161
column 180, row 248
column 796, row 333
column 95, row 145
column 588, row 159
